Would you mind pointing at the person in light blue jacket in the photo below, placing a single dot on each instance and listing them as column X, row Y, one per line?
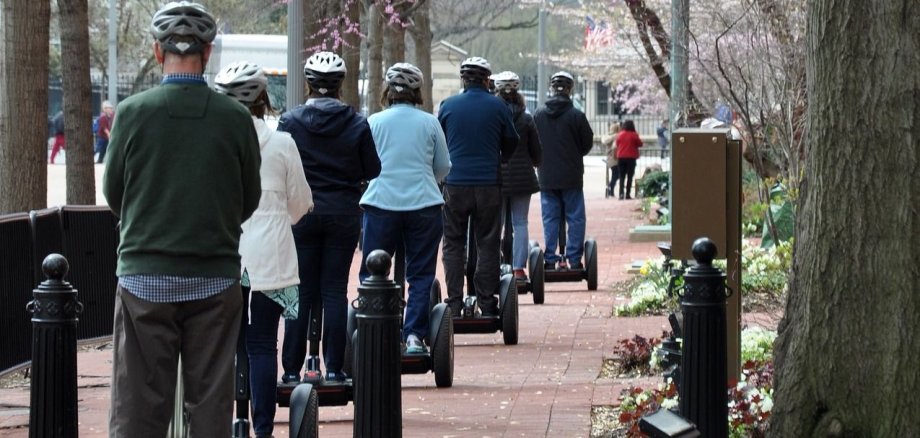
column 402, row 206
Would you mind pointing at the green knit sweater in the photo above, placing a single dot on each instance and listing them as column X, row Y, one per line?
column 182, row 173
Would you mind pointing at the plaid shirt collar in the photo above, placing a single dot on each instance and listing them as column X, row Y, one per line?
column 183, row 78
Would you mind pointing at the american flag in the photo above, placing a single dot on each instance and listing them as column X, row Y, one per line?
column 597, row 35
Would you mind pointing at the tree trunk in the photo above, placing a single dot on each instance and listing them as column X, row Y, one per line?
column 78, row 114
column 848, row 349
column 24, row 105
column 394, row 43
column 421, row 34
column 374, row 58
column 351, row 52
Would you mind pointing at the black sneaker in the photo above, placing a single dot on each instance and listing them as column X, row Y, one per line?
column 290, row 378
column 577, row 266
column 549, row 266
column 490, row 313
column 335, row 377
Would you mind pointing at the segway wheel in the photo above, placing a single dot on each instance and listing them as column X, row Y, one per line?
column 532, row 244
column 537, row 274
column 304, row 412
column 509, row 312
column 591, row 265
column 435, row 297
column 442, row 352
column 351, row 328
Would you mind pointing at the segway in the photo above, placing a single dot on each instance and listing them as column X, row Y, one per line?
column 328, row 393
column 471, row 319
column 304, row 408
column 589, row 272
column 535, row 269
column 440, row 355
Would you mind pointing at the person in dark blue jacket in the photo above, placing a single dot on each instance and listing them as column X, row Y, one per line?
column 480, row 136
column 338, row 154
column 566, row 136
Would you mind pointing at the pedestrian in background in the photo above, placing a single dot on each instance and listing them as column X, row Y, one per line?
column 182, row 174
column 57, row 127
column 104, row 127
column 628, row 144
column 663, row 141
column 611, row 147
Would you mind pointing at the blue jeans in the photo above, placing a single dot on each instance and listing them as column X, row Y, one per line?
column 325, row 248
column 520, row 208
column 420, row 232
column 262, row 347
column 554, row 203
column 101, row 145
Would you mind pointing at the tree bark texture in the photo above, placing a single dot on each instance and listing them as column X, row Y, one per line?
column 351, row 52
column 78, row 111
column 375, row 25
column 394, row 43
column 421, row 34
column 24, row 105
column 848, row 348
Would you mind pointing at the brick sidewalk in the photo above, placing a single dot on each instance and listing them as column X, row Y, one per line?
column 545, row 386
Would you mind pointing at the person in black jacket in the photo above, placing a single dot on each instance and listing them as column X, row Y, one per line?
column 338, row 153
column 519, row 181
column 566, row 137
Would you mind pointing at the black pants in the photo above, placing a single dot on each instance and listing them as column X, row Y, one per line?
column 481, row 205
column 627, row 170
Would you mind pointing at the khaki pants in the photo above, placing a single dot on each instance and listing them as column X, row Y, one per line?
column 148, row 339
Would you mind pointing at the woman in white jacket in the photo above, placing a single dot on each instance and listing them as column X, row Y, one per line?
column 268, row 255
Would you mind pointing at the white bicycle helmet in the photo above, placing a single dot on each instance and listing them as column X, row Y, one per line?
column 183, row 19
column 506, row 81
column 562, row 81
column 475, row 68
column 324, row 71
column 243, row 81
column 403, row 74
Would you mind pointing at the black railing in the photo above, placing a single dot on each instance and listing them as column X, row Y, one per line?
column 87, row 236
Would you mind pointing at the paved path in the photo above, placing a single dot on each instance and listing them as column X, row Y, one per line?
column 545, row 386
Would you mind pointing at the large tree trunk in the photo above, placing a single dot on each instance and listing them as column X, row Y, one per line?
column 78, row 114
column 421, row 34
column 394, row 43
column 375, row 25
column 23, row 105
column 848, row 349
column 351, row 52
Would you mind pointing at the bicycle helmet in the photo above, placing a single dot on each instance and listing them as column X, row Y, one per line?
column 243, row 81
column 475, row 68
column 324, row 71
column 183, row 19
column 507, row 81
column 562, row 81
column 403, row 74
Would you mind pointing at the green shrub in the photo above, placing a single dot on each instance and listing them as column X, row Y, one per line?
column 654, row 184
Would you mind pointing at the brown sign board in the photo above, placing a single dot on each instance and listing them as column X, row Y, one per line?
column 699, row 187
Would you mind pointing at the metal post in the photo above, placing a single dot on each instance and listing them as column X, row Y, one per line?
column 294, row 95
column 541, row 56
column 378, row 358
column 703, row 381
column 113, row 53
column 54, row 310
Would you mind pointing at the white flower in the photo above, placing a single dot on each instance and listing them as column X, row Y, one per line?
column 669, row 403
column 766, row 405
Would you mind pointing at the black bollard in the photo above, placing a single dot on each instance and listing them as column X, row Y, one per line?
column 703, row 381
column 54, row 310
column 378, row 357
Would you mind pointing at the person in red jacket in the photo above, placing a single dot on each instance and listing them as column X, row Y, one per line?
column 628, row 144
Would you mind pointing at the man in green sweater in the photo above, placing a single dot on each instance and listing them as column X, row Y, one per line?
column 182, row 173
